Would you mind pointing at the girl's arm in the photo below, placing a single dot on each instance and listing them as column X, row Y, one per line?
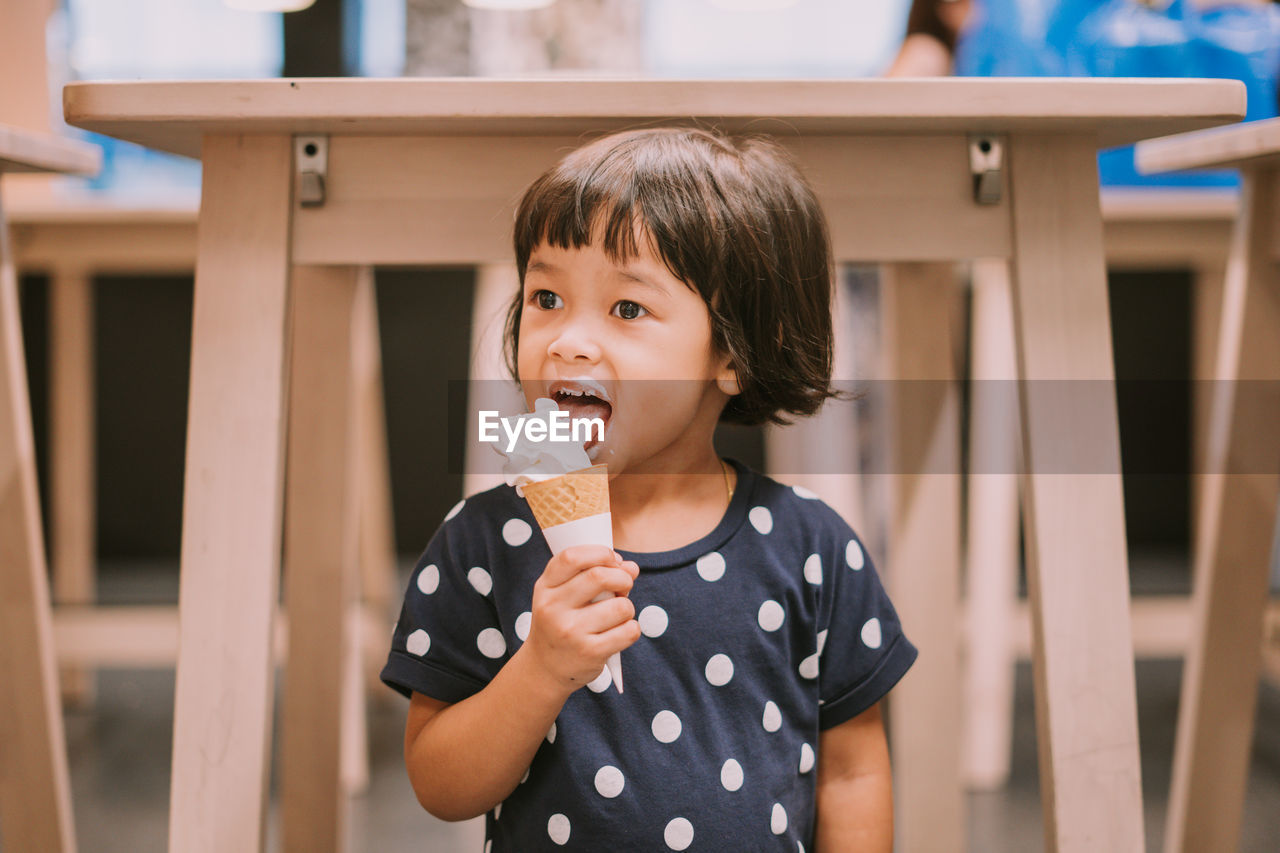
column 855, row 787
column 465, row 758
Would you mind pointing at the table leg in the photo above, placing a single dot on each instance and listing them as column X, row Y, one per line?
column 377, row 581
column 320, row 556
column 354, row 767
column 377, row 522
column 1206, row 313
column 1233, row 542
column 231, row 511
column 991, row 560
column 1073, row 509
column 923, row 564
column 489, row 386
column 35, row 800
column 71, row 453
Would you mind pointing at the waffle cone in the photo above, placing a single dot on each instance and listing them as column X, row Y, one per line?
column 571, row 496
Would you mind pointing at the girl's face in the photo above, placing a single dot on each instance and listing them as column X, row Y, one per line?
column 637, row 341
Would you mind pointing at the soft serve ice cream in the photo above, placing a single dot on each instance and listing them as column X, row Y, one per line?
column 531, row 461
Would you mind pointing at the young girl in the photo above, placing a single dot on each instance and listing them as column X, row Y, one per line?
column 671, row 279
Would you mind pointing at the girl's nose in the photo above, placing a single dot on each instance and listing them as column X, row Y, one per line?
column 576, row 341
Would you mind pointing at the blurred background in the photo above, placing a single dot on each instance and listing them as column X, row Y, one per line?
column 141, row 322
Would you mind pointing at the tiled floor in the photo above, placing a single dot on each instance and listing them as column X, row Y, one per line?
column 119, row 765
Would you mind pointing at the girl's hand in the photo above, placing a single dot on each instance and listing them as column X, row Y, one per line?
column 571, row 636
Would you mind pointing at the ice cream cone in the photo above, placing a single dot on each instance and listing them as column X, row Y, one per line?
column 573, row 509
column 569, row 497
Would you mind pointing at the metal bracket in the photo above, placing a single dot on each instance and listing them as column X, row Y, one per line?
column 986, row 162
column 311, row 168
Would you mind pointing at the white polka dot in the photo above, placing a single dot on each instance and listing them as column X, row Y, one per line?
column 813, row 569
column 799, row 847
column 772, row 717
column 601, row 682
column 551, row 733
column 711, row 566
column 457, row 508
column 666, row 726
column 523, row 622
column 418, row 642
column 678, row 834
column 853, row 555
column 481, row 580
column 731, row 775
column 778, row 820
column 802, row 492
column 771, row 615
column 719, row 670
column 558, row 828
column 806, row 758
column 809, row 666
column 871, row 633
column 491, row 643
column 653, row 621
column 761, row 519
column 822, row 641
column 609, row 781
column 497, row 811
column 516, row 531
column 429, row 579
column 488, row 845
column 525, row 777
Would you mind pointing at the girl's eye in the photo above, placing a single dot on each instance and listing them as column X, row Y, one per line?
column 546, row 300
column 629, row 310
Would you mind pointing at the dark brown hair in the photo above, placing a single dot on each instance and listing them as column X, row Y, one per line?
column 926, row 18
column 734, row 220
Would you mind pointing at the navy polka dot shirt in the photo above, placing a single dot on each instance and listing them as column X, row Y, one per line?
column 756, row 637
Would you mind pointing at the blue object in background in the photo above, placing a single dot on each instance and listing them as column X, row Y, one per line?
column 156, row 39
column 1127, row 38
column 130, row 170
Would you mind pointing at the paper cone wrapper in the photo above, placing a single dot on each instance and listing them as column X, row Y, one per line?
column 573, row 509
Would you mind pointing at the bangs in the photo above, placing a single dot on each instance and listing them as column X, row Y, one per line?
column 576, row 210
column 619, row 190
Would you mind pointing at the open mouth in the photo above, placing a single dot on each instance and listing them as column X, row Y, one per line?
column 584, row 399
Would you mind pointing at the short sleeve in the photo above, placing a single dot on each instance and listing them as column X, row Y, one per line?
column 447, row 643
column 862, row 650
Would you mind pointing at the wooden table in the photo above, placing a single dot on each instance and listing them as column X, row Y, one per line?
column 1142, row 229
column 1238, row 513
column 414, row 171
column 35, row 804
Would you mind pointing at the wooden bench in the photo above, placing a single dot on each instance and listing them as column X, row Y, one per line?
column 72, row 238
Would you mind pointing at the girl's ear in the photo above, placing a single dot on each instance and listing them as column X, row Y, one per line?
column 727, row 380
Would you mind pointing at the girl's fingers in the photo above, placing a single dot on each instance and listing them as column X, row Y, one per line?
column 604, row 615
column 592, row 582
column 618, row 638
column 571, row 562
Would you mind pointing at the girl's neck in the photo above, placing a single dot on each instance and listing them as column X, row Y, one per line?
column 667, row 510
